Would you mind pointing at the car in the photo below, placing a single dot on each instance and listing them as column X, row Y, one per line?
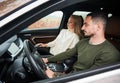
column 24, row 23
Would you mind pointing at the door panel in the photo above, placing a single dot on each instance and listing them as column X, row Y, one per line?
column 43, row 39
column 37, row 36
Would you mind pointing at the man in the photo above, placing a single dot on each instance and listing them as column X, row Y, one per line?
column 93, row 51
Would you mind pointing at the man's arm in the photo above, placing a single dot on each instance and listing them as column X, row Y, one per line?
column 107, row 57
column 63, row 55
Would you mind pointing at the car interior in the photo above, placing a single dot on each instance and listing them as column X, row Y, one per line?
column 112, row 31
column 24, row 63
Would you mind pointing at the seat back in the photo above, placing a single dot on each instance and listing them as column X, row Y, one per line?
column 113, row 31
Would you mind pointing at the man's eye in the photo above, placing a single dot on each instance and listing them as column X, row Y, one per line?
column 86, row 24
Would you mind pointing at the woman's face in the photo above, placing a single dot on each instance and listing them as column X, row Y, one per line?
column 71, row 23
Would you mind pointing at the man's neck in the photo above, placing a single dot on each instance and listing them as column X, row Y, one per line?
column 96, row 40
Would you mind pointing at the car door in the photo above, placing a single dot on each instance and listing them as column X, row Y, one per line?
column 43, row 30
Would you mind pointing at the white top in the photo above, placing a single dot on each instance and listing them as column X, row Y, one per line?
column 65, row 40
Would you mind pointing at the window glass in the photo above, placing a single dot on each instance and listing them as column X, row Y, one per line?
column 82, row 13
column 7, row 6
column 52, row 20
column 11, row 9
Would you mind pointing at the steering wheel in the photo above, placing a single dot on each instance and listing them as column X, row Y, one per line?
column 35, row 60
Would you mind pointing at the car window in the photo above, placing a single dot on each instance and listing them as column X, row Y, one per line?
column 82, row 13
column 7, row 6
column 11, row 9
column 52, row 20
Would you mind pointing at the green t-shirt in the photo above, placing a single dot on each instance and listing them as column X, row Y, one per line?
column 89, row 56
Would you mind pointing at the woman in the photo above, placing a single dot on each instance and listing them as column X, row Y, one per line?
column 67, row 38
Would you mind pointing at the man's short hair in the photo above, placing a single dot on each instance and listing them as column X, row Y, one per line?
column 99, row 16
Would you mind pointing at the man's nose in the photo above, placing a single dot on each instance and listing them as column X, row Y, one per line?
column 82, row 27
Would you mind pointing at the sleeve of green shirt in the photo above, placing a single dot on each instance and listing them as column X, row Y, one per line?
column 63, row 55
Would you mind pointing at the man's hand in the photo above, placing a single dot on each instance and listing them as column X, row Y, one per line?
column 45, row 60
column 49, row 73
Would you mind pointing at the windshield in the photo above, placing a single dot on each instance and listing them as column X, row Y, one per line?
column 7, row 6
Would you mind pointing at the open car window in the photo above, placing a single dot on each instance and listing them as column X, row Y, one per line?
column 6, row 6
column 15, row 8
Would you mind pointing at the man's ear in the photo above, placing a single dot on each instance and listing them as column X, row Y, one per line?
column 99, row 25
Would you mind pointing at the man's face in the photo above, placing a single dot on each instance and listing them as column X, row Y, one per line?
column 89, row 28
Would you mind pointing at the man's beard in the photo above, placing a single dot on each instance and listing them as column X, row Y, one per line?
column 89, row 35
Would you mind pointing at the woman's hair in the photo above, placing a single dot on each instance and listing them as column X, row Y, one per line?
column 78, row 21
